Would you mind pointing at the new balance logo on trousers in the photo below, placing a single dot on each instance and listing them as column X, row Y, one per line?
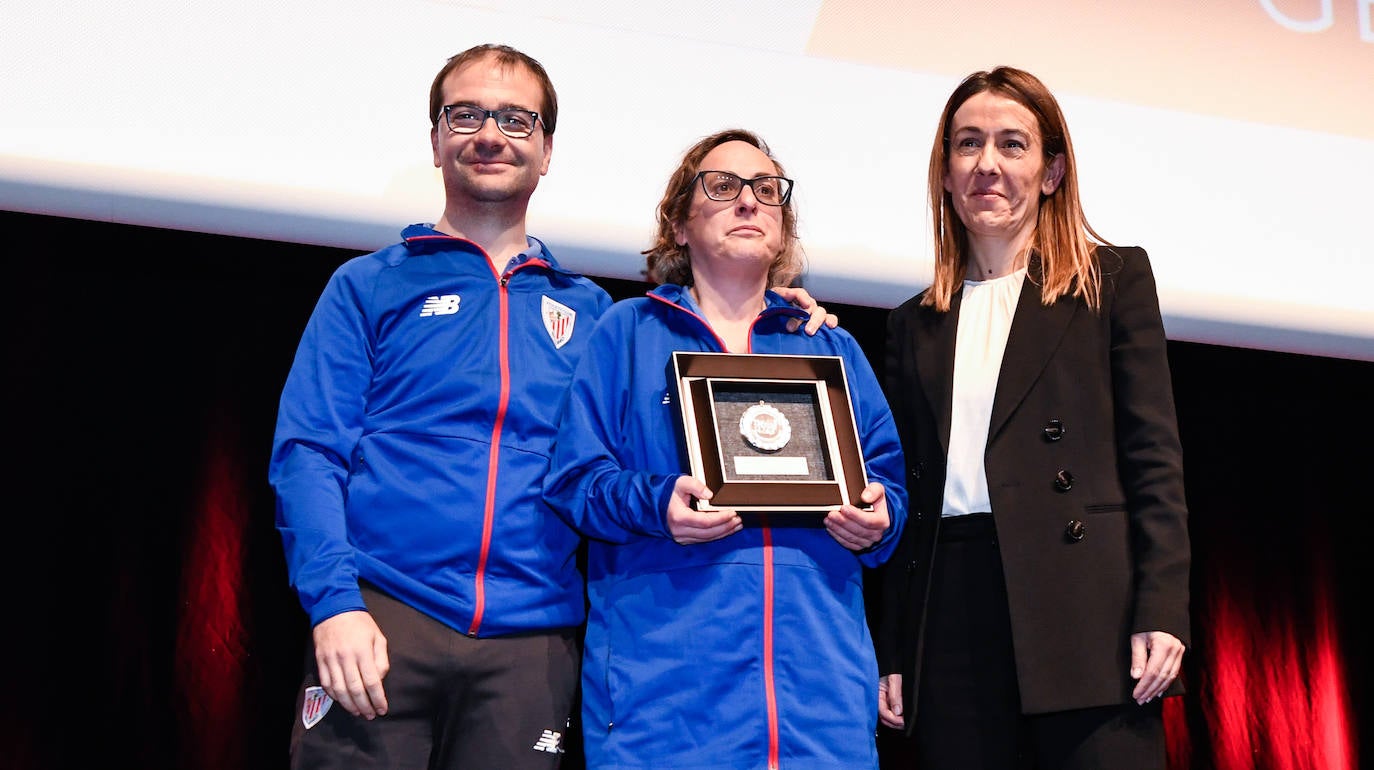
column 550, row 741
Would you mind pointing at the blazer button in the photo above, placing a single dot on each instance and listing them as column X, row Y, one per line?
column 1054, row 430
column 1076, row 530
column 1063, row 481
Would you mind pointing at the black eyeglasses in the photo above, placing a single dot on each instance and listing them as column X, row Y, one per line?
column 468, row 119
column 725, row 186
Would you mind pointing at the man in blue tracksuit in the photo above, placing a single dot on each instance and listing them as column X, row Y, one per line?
column 410, row 449
column 713, row 642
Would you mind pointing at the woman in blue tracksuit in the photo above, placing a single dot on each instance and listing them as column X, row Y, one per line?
column 712, row 643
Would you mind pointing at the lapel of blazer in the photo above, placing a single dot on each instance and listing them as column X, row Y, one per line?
column 935, row 362
column 1036, row 332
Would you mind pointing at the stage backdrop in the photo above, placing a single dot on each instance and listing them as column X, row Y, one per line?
column 1233, row 139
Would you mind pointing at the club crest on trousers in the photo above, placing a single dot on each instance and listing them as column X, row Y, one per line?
column 316, row 705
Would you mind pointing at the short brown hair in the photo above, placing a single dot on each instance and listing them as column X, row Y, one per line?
column 506, row 57
column 670, row 263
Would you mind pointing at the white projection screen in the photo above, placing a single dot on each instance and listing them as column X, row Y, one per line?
column 1233, row 139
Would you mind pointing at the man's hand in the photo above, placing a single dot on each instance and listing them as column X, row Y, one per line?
column 687, row 525
column 350, row 652
column 803, row 299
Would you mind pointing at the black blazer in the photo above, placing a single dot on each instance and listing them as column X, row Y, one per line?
column 1085, row 472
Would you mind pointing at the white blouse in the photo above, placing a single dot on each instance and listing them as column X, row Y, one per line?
column 984, row 323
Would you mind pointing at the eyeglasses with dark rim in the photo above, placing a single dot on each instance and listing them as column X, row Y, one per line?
column 468, row 119
column 725, row 186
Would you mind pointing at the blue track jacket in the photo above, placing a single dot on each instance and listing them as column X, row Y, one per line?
column 414, row 431
column 751, row 651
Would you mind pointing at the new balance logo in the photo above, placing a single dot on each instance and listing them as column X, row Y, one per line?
column 550, row 741
column 445, row 305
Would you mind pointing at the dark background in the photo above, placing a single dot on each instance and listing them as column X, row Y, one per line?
column 149, row 622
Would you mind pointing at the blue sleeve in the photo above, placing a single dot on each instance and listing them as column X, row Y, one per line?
column 319, row 421
column 883, row 459
column 597, row 478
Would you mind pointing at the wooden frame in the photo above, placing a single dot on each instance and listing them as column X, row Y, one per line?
column 724, row 397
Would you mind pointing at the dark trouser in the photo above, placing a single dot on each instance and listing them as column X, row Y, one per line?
column 454, row 701
column 969, row 707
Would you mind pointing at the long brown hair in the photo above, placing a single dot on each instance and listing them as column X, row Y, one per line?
column 1063, row 240
column 667, row 262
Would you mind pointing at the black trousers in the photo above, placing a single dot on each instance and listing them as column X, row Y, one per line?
column 455, row 702
column 969, row 706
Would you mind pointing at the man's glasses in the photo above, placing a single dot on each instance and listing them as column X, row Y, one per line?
column 468, row 119
column 724, row 186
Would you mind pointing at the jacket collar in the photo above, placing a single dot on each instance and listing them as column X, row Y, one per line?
column 424, row 239
column 679, row 296
column 1036, row 333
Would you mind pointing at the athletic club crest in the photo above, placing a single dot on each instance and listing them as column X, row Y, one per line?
column 558, row 321
column 765, row 427
column 316, row 705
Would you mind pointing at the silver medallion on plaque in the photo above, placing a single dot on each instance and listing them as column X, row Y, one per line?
column 765, row 428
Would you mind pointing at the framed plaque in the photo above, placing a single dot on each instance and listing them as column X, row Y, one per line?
column 770, row 433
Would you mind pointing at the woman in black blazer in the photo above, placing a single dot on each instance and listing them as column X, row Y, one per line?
column 1036, row 612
